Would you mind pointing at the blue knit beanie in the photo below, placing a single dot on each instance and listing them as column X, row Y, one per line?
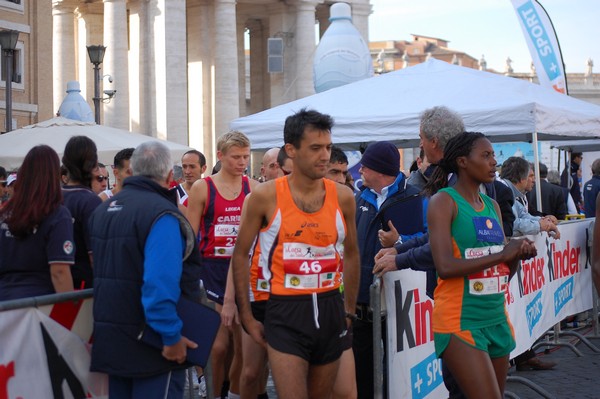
column 382, row 157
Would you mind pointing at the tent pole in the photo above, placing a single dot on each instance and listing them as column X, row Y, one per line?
column 538, row 186
column 559, row 155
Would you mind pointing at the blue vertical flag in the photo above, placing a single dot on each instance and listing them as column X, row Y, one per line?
column 543, row 44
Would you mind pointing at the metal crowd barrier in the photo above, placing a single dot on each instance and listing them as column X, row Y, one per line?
column 44, row 300
column 74, row 296
column 551, row 338
column 375, row 296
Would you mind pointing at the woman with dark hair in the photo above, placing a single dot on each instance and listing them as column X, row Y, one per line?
column 80, row 159
column 36, row 231
column 472, row 333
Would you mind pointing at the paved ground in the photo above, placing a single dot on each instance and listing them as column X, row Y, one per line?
column 574, row 377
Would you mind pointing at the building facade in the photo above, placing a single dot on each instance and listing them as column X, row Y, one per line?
column 179, row 67
column 391, row 55
column 183, row 69
column 32, row 76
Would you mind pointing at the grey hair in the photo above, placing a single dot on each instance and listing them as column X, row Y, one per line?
column 515, row 169
column 442, row 124
column 152, row 159
column 596, row 167
column 553, row 177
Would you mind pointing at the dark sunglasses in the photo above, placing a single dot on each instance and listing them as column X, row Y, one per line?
column 101, row 178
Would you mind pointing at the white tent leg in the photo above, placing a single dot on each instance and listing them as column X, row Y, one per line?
column 536, row 163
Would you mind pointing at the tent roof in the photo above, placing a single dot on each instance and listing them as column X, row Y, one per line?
column 577, row 145
column 388, row 107
column 56, row 132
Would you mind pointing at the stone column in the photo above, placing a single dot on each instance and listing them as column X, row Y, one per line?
column 322, row 14
column 116, row 64
column 360, row 18
column 278, row 27
column 163, row 70
column 227, row 94
column 242, row 64
column 198, row 57
column 63, row 42
column 90, row 28
column 136, row 24
column 305, row 47
column 258, row 57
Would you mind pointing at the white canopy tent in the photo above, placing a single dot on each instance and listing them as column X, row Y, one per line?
column 577, row 145
column 387, row 107
column 57, row 131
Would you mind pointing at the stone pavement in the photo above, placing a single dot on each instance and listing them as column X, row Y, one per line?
column 573, row 377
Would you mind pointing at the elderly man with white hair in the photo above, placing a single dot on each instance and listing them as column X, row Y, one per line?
column 146, row 257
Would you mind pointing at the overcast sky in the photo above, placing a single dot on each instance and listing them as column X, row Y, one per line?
column 491, row 28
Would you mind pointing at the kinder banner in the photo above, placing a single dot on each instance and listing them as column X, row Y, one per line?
column 39, row 358
column 546, row 289
column 414, row 370
column 555, row 284
column 543, row 44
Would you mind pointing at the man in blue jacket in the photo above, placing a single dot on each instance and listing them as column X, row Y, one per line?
column 438, row 125
column 591, row 190
column 382, row 184
column 145, row 259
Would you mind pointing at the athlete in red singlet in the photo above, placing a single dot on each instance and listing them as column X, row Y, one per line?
column 214, row 209
column 310, row 222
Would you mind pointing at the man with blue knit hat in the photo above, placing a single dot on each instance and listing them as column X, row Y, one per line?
column 383, row 184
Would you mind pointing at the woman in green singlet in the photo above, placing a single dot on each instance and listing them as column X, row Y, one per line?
column 472, row 333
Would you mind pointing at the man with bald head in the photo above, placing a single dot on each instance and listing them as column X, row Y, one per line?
column 270, row 169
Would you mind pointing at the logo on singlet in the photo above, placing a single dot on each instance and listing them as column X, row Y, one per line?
column 68, row 247
column 478, row 286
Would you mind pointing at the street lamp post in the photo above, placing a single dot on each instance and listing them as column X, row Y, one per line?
column 8, row 42
column 96, row 54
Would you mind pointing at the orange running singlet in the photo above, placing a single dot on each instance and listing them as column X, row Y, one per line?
column 299, row 253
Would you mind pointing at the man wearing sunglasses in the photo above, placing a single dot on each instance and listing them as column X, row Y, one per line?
column 99, row 179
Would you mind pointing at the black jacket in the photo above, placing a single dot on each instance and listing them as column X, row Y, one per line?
column 367, row 226
column 553, row 201
column 119, row 228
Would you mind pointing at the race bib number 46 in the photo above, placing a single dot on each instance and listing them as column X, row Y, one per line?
column 309, row 266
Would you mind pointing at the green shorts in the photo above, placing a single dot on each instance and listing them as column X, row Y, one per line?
column 497, row 340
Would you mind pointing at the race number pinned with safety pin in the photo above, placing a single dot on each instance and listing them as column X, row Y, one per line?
column 493, row 280
column 309, row 266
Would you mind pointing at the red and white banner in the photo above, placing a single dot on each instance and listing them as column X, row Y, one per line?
column 546, row 289
column 555, row 284
column 543, row 44
column 39, row 358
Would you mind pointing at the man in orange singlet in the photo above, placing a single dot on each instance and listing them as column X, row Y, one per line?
column 306, row 318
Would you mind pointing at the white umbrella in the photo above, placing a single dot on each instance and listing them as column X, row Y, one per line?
column 57, row 131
